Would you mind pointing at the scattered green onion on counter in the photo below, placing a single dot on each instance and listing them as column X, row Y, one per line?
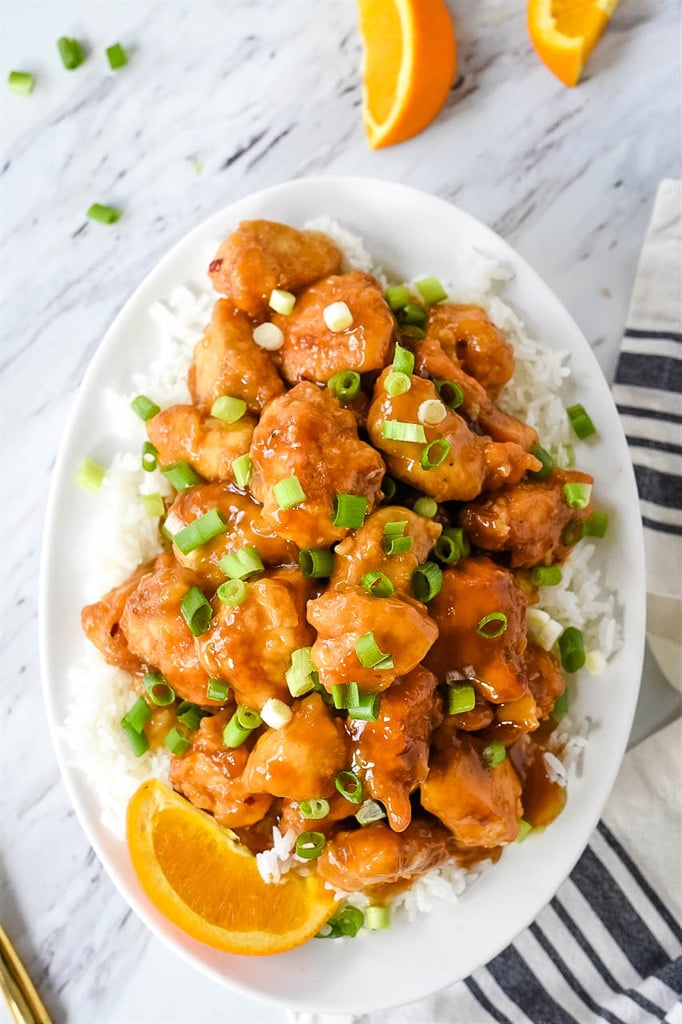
column 116, row 56
column 71, row 52
column 103, row 214
column 21, row 82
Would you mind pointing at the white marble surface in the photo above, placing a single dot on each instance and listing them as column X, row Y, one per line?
column 257, row 91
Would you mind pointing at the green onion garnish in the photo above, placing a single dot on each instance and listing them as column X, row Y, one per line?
column 494, row 753
column 153, row 504
column 377, row 584
column 138, row 741
column 397, row 383
column 103, row 214
column 596, row 525
column 314, row 809
column 288, row 492
column 577, row 495
column 200, row 531
column 241, row 564
column 232, row 593
column 345, row 695
column 248, row 718
column 316, row 563
column 571, row 649
column 546, row 576
column 217, row 690
column 412, row 314
column 138, row 715
column 452, row 545
column 150, row 456
column 461, row 699
column 580, row 421
column 301, row 677
column 525, row 828
column 71, row 52
column 281, row 301
column 349, row 785
column 228, row 409
column 242, row 469
column 348, row 922
column 560, row 709
column 309, row 845
column 190, row 714
column 573, row 532
column 345, row 385
column 431, row 290
column 240, row 726
column 397, row 430
column 370, row 655
column 426, row 507
column 492, row 625
column 196, row 611
column 395, row 543
column 435, row 453
column 449, row 392
column 397, row 296
column 367, row 707
column 349, row 511
column 547, row 461
column 427, row 581
column 369, row 812
column 388, row 489
column 21, row 82
column 90, row 475
column 377, row 918
column 177, row 741
column 158, row 690
column 116, row 56
column 403, row 361
column 180, row 476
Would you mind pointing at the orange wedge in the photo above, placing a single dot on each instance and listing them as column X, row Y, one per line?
column 207, row 883
column 409, row 66
column 564, row 32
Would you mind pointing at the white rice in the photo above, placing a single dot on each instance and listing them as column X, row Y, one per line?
column 125, row 536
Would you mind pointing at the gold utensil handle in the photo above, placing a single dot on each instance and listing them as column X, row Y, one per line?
column 24, row 1002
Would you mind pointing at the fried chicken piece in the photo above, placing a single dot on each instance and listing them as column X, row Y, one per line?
column 343, row 614
column 210, row 776
column 545, row 679
column 363, row 551
column 473, row 589
column 101, row 622
column 513, row 720
column 301, row 759
column 393, row 752
column 470, row 338
column 250, row 645
column 245, row 529
column 292, row 818
column 182, row 434
column 227, row 361
column 262, row 255
column 311, row 351
column 527, row 519
column 156, row 630
column 375, row 855
column 472, row 462
column 480, row 805
column 305, row 433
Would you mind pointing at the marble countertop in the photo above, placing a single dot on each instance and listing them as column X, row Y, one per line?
column 250, row 93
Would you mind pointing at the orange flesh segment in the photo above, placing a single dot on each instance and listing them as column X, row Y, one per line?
column 564, row 32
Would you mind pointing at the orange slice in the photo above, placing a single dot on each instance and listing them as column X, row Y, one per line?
column 409, row 66
column 207, row 883
column 564, row 32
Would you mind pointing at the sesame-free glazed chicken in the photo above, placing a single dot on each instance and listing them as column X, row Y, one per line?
column 469, row 338
column 182, row 434
column 101, row 622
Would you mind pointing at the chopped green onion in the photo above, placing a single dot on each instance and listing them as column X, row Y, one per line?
column 580, row 421
column 190, row 714
column 71, row 52
column 435, row 453
column 337, row 316
column 276, row 713
column 431, row 412
column 431, row 290
column 309, row 845
column 461, row 699
column 403, row 360
column 369, row 812
column 345, row 385
column 426, row 507
column 388, row 488
column 568, row 456
column 577, row 495
column 349, row 785
column 177, row 741
column 242, row 469
column 370, row 655
column 449, row 392
column 525, row 828
column 301, row 677
column 241, row 564
column 499, row 625
column 217, row 690
column 397, row 430
column 289, row 492
column 397, row 545
column 573, row 532
column 316, row 563
column 268, row 336
column 427, row 581
column 571, row 649
column 153, row 504
column 196, row 611
column 452, row 545
column 494, row 753
column 21, row 82
column 367, row 707
column 103, row 214
column 235, row 734
column 345, row 695
column 397, row 296
column 90, row 475
column 248, row 718
column 200, row 531
column 547, row 467
column 560, row 709
column 116, row 56
column 232, row 593
column 180, row 476
column 396, row 528
column 138, row 741
column 281, row 301
column 160, row 693
column 397, row 383
column 546, row 576
column 377, row 584
column 228, row 409
column 412, row 314
column 150, row 455
column 377, row 918
column 596, row 525
column 348, row 922
column 138, row 715
column 349, row 510
column 313, row 810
